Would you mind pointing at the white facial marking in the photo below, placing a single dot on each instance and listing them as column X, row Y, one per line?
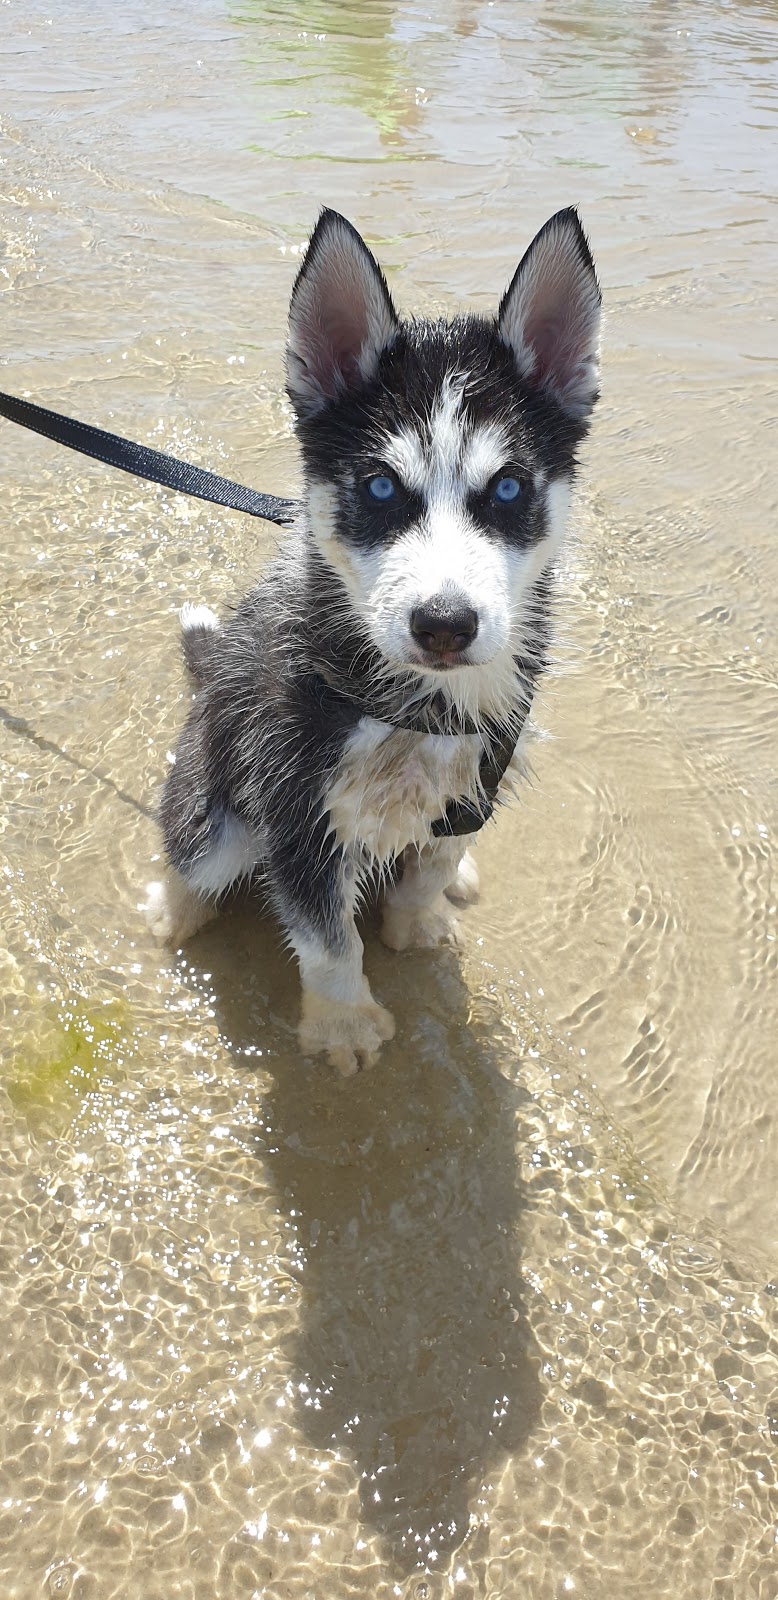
column 355, row 568
column 358, row 569
column 486, row 451
column 444, row 556
column 450, row 459
column 404, row 453
column 445, row 432
column 323, row 506
column 429, row 461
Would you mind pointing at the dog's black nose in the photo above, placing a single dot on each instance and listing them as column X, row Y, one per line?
column 439, row 631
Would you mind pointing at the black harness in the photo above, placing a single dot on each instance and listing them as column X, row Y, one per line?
column 439, row 717
column 461, row 816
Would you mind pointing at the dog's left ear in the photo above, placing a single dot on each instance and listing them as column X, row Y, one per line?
column 550, row 315
column 340, row 319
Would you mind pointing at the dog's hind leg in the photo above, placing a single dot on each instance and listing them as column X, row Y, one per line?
column 188, row 896
column 416, row 910
column 209, row 846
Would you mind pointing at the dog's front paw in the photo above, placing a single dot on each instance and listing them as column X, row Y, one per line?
column 464, row 888
column 350, row 1035
column 419, row 927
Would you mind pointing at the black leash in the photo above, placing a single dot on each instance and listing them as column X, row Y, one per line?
column 145, row 463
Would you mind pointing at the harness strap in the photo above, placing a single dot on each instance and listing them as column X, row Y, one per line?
column 143, row 462
column 468, row 816
column 461, row 816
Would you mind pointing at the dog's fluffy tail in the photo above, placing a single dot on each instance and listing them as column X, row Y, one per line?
column 199, row 634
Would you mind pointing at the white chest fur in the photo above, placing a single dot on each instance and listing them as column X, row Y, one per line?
column 392, row 785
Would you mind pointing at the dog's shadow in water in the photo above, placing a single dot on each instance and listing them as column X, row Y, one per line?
column 413, row 1356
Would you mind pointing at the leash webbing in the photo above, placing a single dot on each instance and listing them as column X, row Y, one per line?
column 144, row 462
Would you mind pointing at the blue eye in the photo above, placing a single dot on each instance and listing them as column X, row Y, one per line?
column 380, row 488
column 506, row 490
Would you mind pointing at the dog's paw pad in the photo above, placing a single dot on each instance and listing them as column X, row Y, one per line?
column 419, row 927
column 349, row 1035
column 465, row 887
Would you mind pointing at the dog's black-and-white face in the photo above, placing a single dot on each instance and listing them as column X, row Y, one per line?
column 439, row 455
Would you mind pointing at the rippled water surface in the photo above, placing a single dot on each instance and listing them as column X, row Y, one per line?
column 498, row 1318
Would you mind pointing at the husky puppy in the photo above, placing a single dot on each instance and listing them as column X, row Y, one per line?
column 355, row 714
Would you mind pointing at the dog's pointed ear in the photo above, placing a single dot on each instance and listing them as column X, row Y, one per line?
column 340, row 319
column 549, row 316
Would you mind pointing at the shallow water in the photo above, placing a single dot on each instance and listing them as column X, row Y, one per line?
column 497, row 1319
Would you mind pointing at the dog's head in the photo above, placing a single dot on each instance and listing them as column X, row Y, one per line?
column 439, row 455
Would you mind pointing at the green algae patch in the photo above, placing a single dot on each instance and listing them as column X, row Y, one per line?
column 82, row 1051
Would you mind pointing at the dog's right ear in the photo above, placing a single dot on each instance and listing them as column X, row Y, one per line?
column 340, row 319
column 549, row 316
